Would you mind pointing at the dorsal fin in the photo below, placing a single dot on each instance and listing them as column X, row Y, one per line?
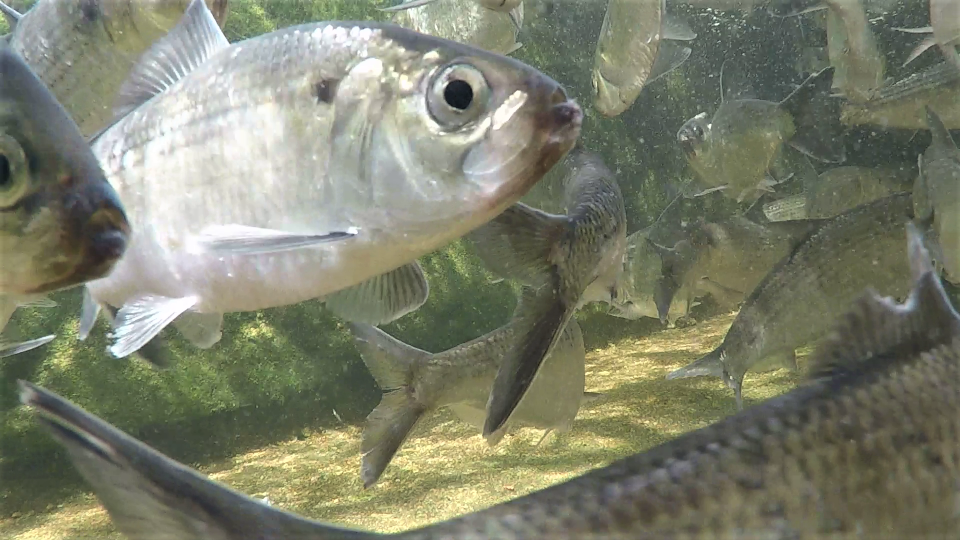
column 878, row 326
column 11, row 15
column 189, row 44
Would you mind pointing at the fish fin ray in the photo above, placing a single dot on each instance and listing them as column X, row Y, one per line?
column 709, row 365
column 89, row 311
column 10, row 349
column 389, row 360
column 382, row 299
column 388, row 426
column 141, row 320
column 927, row 43
column 670, row 56
column 517, row 244
column 11, row 15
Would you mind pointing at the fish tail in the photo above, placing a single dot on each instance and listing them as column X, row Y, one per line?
column 816, row 118
column 149, row 494
column 517, row 243
column 710, row 365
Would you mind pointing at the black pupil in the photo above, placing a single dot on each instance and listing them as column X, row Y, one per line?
column 458, row 94
column 4, row 172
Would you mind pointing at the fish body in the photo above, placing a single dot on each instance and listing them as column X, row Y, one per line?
column 853, row 50
column 901, row 105
column 865, row 448
column 416, row 383
column 632, row 51
column 570, row 260
column 84, row 50
column 939, row 187
column 380, row 146
column 799, row 300
column 737, row 147
column 842, row 188
column 466, row 21
column 61, row 223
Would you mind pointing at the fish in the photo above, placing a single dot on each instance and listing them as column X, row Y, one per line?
column 61, row 223
column 864, row 448
column 734, row 150
column 853, row 51
column 468, row 22
column 937, row 193
column 944, row 32
column 803, row 295
column 901, row 104
column 632, row 51
column 570, row 259
column 502, row 6
column 837, row 190
column 380, row 146
column 84, row 50
column 416, row 382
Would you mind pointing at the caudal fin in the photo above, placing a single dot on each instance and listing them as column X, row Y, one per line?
column 149, row 495
column 816, row 117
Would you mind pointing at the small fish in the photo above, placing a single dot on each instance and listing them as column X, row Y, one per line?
column 411, row 141
column 865, row 448
column 416, row 382
column 468, row 22
column 737, row 147
column 939, row 187
column 61, row 223
column 84, row 50
column 571, row 260
column 632, row 51
column 800, row 299
column 853, row 50
column 901, row 105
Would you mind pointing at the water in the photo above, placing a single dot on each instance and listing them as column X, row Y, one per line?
column 277, row 407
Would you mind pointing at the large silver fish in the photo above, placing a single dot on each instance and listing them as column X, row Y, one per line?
column 800, row 299
column 416, row 382
column 468, row 22
column 61, row 223
column 570, row 259
column 84, row 50
column 866, row 448
column 937, row 193
column 344, row 152
column 632, row 51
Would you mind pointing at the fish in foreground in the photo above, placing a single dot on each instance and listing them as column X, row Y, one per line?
column 937, row 193
column 633, row 50
column 468, row 22
column 84, row 50
column 865, row 448
column 799, row 300
column 901, row 105
column 380, row 146
column 570, row 260
column 416, row 382
column 837, row 190
column 61, row 223
column 734, row 150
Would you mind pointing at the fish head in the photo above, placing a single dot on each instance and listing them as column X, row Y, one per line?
column 61, row 223
column 474, row 132
column 693, row 134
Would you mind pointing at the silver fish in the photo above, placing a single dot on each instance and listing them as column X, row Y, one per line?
column 61, row 223
column 571, row 260
column 864, row 449
column 84, row 50
column 416, row 382
column 379, row 146
column 937, row 193
column 800, row 299
column 468, row 22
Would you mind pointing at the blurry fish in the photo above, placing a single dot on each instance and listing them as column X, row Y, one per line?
column 466, row 21
column 801, row 297
column 944, row 31
column 83, row 50
column 571, row 260
column 866, row 448
column 737, row 147
column 61, row 223
column 380, row 146
column 901, row 105
column 937, row 193
column 837, row 190
column 853, row 50
column 416, row 382
column 786, row 209
column 492, row 5
column 632, row 51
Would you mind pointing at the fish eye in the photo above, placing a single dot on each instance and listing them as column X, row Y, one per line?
column 13, row 177
column 458, row 94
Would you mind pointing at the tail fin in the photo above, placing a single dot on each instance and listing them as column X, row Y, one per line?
column 391, row 362
column 149, row 495
column 710, row 365
column 816, row 116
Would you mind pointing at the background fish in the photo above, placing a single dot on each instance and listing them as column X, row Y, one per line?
column 416, row 382
column 83, row 50
column 410, row 142
column 864, row 449
column 571, row 260
column 466, row 21
column 853, row 50
column 938, row 193
column 802, row 296
column 901, row 105
column 839, row 189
